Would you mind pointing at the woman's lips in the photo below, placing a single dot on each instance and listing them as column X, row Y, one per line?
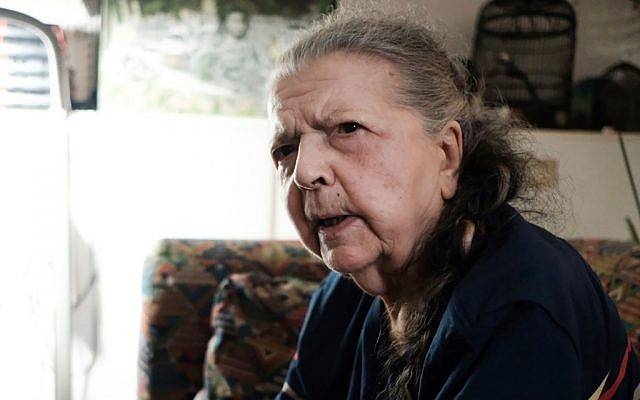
column 333, row 226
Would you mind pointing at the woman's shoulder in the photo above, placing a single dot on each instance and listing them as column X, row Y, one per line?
column 534, row 269
column 528, row 264
column 532, row 293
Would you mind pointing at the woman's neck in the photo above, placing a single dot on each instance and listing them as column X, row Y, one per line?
column 409, row 291
column 406, row 293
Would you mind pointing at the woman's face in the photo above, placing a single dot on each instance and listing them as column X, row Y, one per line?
column 361, row 179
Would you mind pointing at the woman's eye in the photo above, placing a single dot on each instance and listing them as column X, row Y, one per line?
column 349, row 127
column 282, row 152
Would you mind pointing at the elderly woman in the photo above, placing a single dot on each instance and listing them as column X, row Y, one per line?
column 399, row 179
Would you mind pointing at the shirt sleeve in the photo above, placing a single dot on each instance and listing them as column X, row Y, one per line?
column 529, row 356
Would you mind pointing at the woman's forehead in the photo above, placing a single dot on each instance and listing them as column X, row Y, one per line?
column 337, row 81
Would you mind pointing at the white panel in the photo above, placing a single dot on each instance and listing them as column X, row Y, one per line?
column 593, row 178
column 35, row 252
column 170, row 176
column 138, row 178
column 632, row 145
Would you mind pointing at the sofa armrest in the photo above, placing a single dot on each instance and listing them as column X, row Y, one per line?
column 180, row 280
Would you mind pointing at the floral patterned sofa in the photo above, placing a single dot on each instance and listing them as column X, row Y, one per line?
column 220, row 318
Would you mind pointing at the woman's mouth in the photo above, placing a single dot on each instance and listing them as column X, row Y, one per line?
column 332, row 226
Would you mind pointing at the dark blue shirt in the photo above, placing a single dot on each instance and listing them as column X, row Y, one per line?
column 530, row 320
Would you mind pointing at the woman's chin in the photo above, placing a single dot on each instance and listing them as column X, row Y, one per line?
column 370, row 281
column 344, row 261
column 365, row 271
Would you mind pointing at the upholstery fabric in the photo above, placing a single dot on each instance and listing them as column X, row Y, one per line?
column 261, row 292
column 256, row 321
column 618, row 267
column 179, row 283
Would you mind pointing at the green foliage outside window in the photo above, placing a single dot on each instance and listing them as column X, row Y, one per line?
column 197, row 56
column 291, row 8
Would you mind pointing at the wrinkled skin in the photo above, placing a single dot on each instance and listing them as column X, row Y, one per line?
column 343, row 147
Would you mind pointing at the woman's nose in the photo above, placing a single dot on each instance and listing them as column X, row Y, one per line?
column 313, row 168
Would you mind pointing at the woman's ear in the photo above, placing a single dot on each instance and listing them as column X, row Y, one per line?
column 451, row 145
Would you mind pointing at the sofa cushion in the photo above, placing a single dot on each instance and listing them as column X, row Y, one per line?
column 179, row 283
column 256, row 320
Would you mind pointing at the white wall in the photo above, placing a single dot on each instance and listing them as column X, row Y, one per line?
column 594, row 180
column 607, row 31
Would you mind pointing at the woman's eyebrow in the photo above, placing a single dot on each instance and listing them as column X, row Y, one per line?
column 333, row 117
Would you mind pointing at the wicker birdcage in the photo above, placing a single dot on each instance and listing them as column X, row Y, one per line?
column 524, row 49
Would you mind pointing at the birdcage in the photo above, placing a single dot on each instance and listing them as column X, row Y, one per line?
column 524, row 49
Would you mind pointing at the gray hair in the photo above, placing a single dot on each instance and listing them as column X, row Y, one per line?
column 434, row 84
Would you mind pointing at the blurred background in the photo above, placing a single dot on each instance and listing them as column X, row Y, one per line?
column 123, row 122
